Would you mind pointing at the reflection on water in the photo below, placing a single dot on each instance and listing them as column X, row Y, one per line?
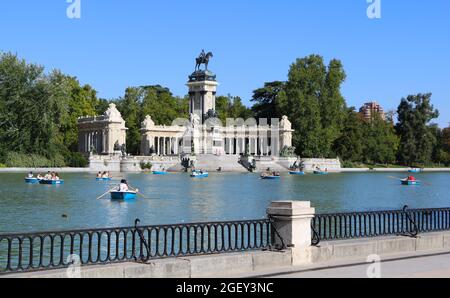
column 177, row 198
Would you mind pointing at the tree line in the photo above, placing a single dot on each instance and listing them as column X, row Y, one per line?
column 39, row 112
column 326, row 127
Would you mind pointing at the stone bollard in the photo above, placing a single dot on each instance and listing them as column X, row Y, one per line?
column 292, row 220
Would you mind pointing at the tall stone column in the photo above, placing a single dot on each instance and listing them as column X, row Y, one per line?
column 292, row 228
column 158, row 145
column 89, row 136
column 164, row 146
column 261, row 146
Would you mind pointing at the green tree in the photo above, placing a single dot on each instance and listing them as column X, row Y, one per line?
column 445, row 139
column 300, row 102
column 380, row 143
column 76, row 101
column 101, row 106
column 156, row 101
column 265, row 100
column 130, row 108
column 416, row 138
column 441, row 152
column 332, row 106
column 223, row 105
column 231, row 107
column 238, row 109
column 159, row 103
column 349, row 145
column 29, row 110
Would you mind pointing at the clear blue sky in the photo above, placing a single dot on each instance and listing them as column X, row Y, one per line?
column 117, row 44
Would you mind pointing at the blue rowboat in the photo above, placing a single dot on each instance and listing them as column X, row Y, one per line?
column 320, row 173
column 103, row 179
column 410, row 182
column 51, row 182
column 199, row 174
column 297, row 173
column 415, row 170
column 270, row 176
column 31, row 180
column 159, row 173
column 123, row 195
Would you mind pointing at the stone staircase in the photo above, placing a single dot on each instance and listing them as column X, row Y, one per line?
column 230, row 163
column 211, row 162
column 263, row 163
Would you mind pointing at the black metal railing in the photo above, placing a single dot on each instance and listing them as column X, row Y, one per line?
column 52, row 250
column 408, row 222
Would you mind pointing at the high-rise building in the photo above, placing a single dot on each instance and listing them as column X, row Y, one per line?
column 370, row 109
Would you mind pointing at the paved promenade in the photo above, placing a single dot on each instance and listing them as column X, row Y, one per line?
column 435, row 264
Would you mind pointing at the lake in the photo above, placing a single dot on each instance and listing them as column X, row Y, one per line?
column 177, row 198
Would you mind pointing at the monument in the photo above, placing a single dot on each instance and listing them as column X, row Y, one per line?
column 104, row 135
column 202, row 88
column 201, row 134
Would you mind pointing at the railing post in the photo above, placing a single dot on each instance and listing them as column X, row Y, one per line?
column 292, row 221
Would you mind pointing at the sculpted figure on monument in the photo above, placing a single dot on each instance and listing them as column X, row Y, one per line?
column 117, row 146
column 195, row 120
column 203, row 58
column 285, row 123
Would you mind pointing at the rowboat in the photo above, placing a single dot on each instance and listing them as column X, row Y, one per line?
column 123, row 195
column 297, row 173
column 415, row 170
column 51, row 182
column 320, row 173
column 199, row 174
column 270, row 177
column 31, row 180
column 159, row 173
column 410, row 182
column 103, row 179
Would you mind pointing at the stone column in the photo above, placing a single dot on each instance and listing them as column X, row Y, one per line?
column 292, row 220
column 261, row 146
column 164, row 146
column 159, row 146
column 175, row 146
column 89, row 141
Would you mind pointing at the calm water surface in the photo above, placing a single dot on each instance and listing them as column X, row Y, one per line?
column 177, row 198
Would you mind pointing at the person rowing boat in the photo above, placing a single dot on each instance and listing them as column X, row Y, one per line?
column 123, row 186
column 270, row 175
column 124, row 192
column 410, row 180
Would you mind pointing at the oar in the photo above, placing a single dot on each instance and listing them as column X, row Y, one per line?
column 103, row 195
column 426, row 183
column 137, row 192
column 396, row 178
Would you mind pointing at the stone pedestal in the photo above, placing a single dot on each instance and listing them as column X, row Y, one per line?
column 292, row 220
column 202, row 93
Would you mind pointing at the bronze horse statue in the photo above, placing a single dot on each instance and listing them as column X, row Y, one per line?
column 203, row 59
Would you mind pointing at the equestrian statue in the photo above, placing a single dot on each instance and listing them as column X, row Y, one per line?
column 203, row 59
